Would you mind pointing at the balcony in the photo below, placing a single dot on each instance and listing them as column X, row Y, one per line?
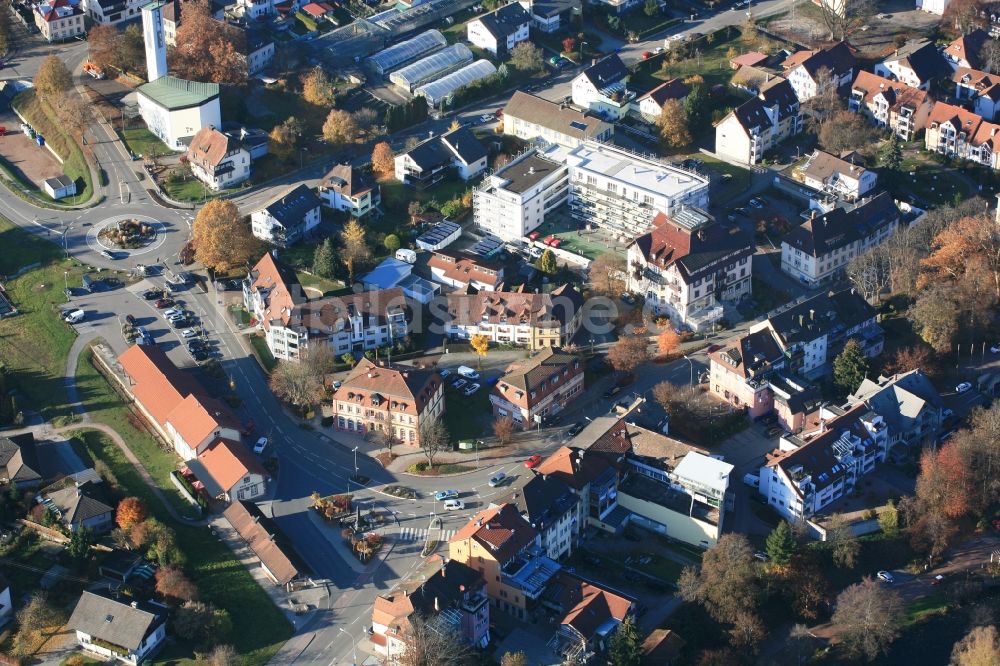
column 529, row 573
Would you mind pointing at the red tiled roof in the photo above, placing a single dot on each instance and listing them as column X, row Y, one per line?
column 228, row 462
column 259, row 534
column 590, row 606
column 465, row 269
column 752, row 58
column 500, row 530
column 409, row 388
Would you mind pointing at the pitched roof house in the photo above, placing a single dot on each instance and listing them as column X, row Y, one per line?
column 551, row 507
column 82, row 505
column 129, row 631
column 219, row 160
column 650, row 104
column 760, row 123
column 278, row 558
column 804, row 69
column 538, row 388
column 429, row 162
column 529, row 117
column 981, row 88
column 463, row 271
column 229, row 471
column 19, row 460
column 964, row 50
column 601, row 88
column 917, row 64
column 891, row 104
column 908, row 402
column 349, row 189
column 843, row 177
column 499, row 31
column 591, row 615
column 288, row 217
column 539, row 320
column 956, row 132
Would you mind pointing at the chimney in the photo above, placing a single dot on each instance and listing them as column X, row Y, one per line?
column 437, row 605
column 812, row 314
column 256, row 519
column 406, row 593
column 812, row 214
column 802, row 320
column 135, row 604
column 593, row 61
column 243, row 133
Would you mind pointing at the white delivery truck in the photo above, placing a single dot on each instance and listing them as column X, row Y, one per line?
column 75, row 316
column 467, row 372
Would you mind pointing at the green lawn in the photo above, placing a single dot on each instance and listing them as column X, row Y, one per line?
column 104, row 406
column 44, row 120
column 316, row 282
column 935, row 603
column 143, row 142
column 932, row 184
column 727, row 188
column 35, row 343
column 468, row 417
column 259, row 628
column 661, row 567
column 186, row 190
column 263, row 353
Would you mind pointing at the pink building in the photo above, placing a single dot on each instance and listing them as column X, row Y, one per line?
column 740, row 370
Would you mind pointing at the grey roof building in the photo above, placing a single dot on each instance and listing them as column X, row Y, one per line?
column 82, row 505
column 908, row 402
column 123, row 628
column 19, row 460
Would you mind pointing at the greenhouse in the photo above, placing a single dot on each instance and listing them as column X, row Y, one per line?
column 432, row 67
column 407, row 51
column 435, row 91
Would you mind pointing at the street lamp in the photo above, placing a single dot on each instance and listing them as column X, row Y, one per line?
column 66, row 283
column 691, row 366
column 355, row 464
column 354, row 644
column 582, row 44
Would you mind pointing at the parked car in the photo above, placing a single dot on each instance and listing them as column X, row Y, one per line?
column 200, row 355
column 774, row 431
column 472, row 388
column 454, row 505
column 458, row 383
column 886, row 577
column 467, row 372
column 260, row 445
column 443, row 495
column 533, row 462
column 947, row 413
column 575, row 429
column 995, row 349
column 498, row 479
column 756, row 203
column 751, row 480
column 152, row 294
column 172, row 312
column 444, row 372
column 963, row 387
column 612, row 392
column 164, row 303
column 188, row 333
column 130, row 319
column 628, row 299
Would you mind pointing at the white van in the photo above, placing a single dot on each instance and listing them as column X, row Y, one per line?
column 409, row 256
column 467, row 372
column 75, row 316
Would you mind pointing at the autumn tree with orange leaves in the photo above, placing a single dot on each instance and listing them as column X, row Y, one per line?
column 208, row 49
column 131, row 511
column 965, row 249
column 171, row 582
column 668, row 341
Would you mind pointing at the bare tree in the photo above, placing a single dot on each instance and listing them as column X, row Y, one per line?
column 629, row 353
column 608, row 274
column 434, row 645
column 844, row 545
column 845, row 17
column 980, row 647
column 727, row 584
column 295, row 383
column 434, row 439
column 747, row 632
column 869, row 617
column 869, row 272
column 503, row 428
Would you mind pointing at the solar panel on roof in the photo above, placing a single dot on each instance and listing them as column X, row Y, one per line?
column 577, row 125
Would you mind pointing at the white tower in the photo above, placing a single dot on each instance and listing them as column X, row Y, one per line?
column 152, row 34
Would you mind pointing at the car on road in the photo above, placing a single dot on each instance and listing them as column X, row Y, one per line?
column 963, row 387
column 454, row 505
column 498, row 479
column 995, row 349
column 459, row 383
column 486, row 117
column 260, row 445
column 885, row 577
column 442, row 495
column 756, row 203
column 472, row 388
column 444, row 373
column 575, row 429
column 188, row 333
column 612, row 392
column 533, row 462
column 163, row 303
column 107, row 255
column 152, row 294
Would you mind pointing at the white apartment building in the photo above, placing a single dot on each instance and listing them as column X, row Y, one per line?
column 759, row 124
column 688, row 265
column 916, row 64
column 429, row 162
column 348, row 324
column 288, row 218
column 953, row 131
column 933, row 6
column 347, row 189
column 551, row 507
column 532, row 118
column 819, row 250
column 498, row 32
column 981, row 88
column 112, row 12
column 218, row 160
column 838, row 177
column 804, row 70
column 514, row 201
column 537, row 388
column 890, row 104
column 602, row 89
column 59, row 20
column 813, row 469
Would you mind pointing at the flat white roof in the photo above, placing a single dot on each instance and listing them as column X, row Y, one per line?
column 631, row 169
column 705, row 470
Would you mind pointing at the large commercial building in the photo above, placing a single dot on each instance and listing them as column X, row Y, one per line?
column 605, row 186
column 537, row 388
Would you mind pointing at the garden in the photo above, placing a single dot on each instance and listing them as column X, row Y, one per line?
column 128, row 234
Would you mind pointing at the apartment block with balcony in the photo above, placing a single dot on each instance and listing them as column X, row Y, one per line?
column 918, row 64
column 890, row 104
column 689, row 265
column 447, row 595
column 551, row 507
column 538, row 388
column 813, row 331
column 955, row 132
column 621, row 191
column 982, row 89
column 218, row 160
column 815, row 468
column 352, row 323
column 288, row 218
column 810, row 73
column 759, row 124
column 428, row 163
column 843, row 177
column 514, row 201
column 602, row 88
column 819, row 250
column 504, row 547
column 534, row 321
column 592, row 477
column 909, row 403
column 396, row 400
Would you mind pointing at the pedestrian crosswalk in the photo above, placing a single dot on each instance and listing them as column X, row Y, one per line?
column 410, row 534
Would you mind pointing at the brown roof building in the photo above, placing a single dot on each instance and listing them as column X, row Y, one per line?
column 228, row 471
column 591, row 615
column 518, row 317
column 174, row 403
column 662, row 647
column 349, row 189
column 277, row 557
column 218, row 160
column 462, row 271
column 538, row 387
column 891, row 104
column 397, row 400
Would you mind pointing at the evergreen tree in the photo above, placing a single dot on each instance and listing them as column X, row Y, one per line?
column 891, row 154
column 391, row 243
column 625, row 648
column 850, row 367
column 325, row 259
column 781, row 544
column 547, row 263
column 80, row 542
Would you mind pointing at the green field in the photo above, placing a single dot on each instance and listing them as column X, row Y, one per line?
column 44, row 120
column 142, row 142
column 259, row 628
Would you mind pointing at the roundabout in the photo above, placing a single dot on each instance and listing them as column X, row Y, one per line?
column 135, row 234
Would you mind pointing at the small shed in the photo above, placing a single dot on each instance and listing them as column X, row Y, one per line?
column 59, row 187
